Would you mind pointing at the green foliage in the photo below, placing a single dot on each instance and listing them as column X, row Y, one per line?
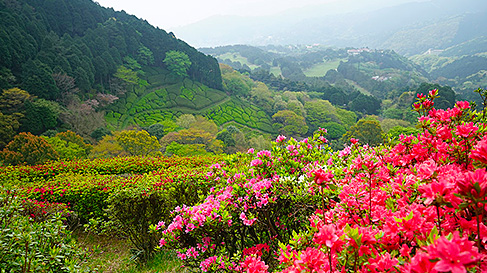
column 177, row 149
column 396, row 131
column 66, row 150
column 177, row 62
column 135, row 209
column 226, row 137
column 127, row 75
column 193, row 136
column 158, row 130
column 108, row 147
column 137, row 142
column 236, row 83
column 145, row 56
column 34, row 246
column 289, row 123
column 40, row 116
column 335, row 130
column 366, row 131
column 99, row 133
column 319, row 112
column 8, row 129
column 28, row 149
column 12, row 102
column 365, row 104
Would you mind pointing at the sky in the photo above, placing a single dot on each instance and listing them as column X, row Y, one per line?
column 169, row 14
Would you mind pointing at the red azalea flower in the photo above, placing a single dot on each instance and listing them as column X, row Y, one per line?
column 321, row 176
column 253, row 264
column 479, row 152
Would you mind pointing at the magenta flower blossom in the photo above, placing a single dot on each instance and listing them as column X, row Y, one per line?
column 479, row 152
column 252, row 264
column 280, row 138
column 455, row 255
column 321, row 176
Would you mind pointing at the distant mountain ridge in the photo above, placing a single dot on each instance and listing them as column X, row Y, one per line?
column 408, row 28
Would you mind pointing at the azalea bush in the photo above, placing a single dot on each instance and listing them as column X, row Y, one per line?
column 416, row 204
column 85, row 186
column 135, row 208
column 259, row 199
column 33, row 237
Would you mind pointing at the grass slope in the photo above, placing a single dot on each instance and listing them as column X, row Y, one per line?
column 320, row 69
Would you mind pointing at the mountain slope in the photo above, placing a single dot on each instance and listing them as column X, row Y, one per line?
column 85, row 41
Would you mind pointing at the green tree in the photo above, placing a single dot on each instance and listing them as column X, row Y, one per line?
column 38, row 80
column 185, row 120
column 137, row 142
column 8, row 128
column 319, row 112
column 366, row 131
column 396, row 131
column 127, row 75
column 289, row 123
column 237, row 84
column 108, row 147
column 72, row 137
column 387, row 124
column 157, row 130
column 194, row 136
column 145, row 56
column 100, row 132
column 29, row 149
column 226, row 137
column 12, row 101
column 66, row 150
column 335, row 130
column 175, row 148
column 177, row 62
column 204, row 124
column 365, row 104
column 40, row 115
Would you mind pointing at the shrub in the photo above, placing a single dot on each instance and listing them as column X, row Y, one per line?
column 26, row 245
column 28, row 149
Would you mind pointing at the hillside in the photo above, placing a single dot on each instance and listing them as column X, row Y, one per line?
column 84, row 41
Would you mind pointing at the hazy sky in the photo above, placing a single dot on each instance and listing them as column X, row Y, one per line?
column 173, row 13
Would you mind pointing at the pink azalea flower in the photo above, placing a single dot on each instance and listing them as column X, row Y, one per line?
column 327, row 235
column 466, row 130
column 280, row 138
column 455, row 255
column 479, row 152
column 321, row 176
column 252, row 264
column 311, row 260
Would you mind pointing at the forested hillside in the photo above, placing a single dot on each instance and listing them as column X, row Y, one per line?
column 85, row 41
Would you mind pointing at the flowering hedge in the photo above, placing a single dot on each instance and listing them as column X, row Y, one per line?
column 416, row 204
column 85, row 186
column 24, row 175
